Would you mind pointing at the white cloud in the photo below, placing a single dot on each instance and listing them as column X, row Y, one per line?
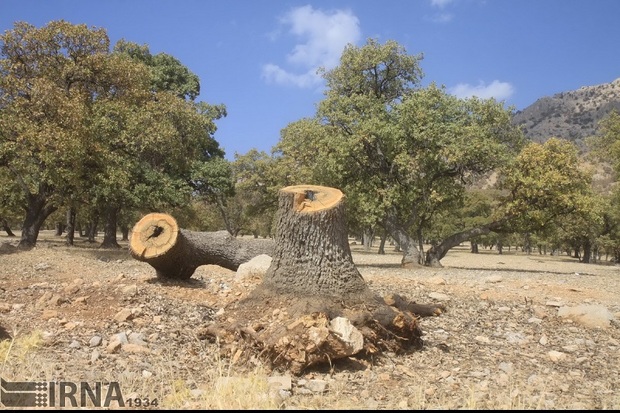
column 496, row 89
column 323, row 37
column 440, row 3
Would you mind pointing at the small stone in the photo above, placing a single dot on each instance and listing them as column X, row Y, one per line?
column 71, row 325
column 94, row 356
column 123, row 315
column 75, row 344
column 5, row 307
column 504, row 309
column 95, row 341
column 157, row 319
column 130, row 290
column 120, row 337
column 482, row 339
column 316, row 386
column 556, row 356
column 543, row 341
column 146, row 374
column 137, row 338
column 113, row 347
column 42, row 266
column 554, row 304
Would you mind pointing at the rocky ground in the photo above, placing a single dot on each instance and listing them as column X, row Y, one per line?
column 511, row 336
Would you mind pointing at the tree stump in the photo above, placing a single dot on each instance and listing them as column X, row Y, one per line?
column 176, row 253
column 312, row 253
column 313, row 305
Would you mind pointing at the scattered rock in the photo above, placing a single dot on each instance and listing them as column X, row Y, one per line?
column 95, row 341
column 556, row 356
column 588, row 315
column 123, row 315
column 135, row 348
column 316, row 386
column 256, row 267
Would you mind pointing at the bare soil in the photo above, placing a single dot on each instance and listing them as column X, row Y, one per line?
column 499, row 345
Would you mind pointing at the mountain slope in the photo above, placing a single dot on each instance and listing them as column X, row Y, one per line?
column 572, row 115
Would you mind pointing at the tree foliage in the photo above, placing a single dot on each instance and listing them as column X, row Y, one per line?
column 81, row 125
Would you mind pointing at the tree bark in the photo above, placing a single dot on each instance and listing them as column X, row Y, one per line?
column 406, row 244
column 312, row 254
column 36, row 213
column 109, row 231
column 436, row 253
column 5, row 227
column 176, row 253
column 92, row 229
column 70, row 225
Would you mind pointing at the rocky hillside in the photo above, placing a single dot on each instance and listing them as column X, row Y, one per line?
column 572, row 115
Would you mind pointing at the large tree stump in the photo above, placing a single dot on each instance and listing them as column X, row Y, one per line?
column 312, row 253
column 176, row 253
column 313, row 305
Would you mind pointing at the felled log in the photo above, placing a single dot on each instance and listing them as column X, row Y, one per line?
column 176, row 253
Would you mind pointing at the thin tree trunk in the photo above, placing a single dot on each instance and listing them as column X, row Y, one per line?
column 92, row 229
column 109, row 233
column 382, row 243
column 474, row 248
column 411, row 255
column 367, row 237
column 6, row 228
column 36, row 214
column 70, row 226
column 124, row 233
column 436, row 253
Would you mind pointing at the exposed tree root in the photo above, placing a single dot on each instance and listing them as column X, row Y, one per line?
column 290, row 333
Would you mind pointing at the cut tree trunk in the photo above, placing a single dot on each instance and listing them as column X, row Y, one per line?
column 312, row 253
column 176, row 253
column 313, row 305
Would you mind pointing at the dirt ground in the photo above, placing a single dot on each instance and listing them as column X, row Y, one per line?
column 501, row 344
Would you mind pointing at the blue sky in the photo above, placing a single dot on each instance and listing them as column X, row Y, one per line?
column 259, row 57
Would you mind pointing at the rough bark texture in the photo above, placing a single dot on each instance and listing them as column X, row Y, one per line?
column 406, row 244
column 109, row 230
column 437, row 252
column 36, row 214
column 5, row 227
column 176, row 253
column 312, row 254
column 70, row 225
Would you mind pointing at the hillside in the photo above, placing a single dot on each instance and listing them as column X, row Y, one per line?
column 571, row 115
